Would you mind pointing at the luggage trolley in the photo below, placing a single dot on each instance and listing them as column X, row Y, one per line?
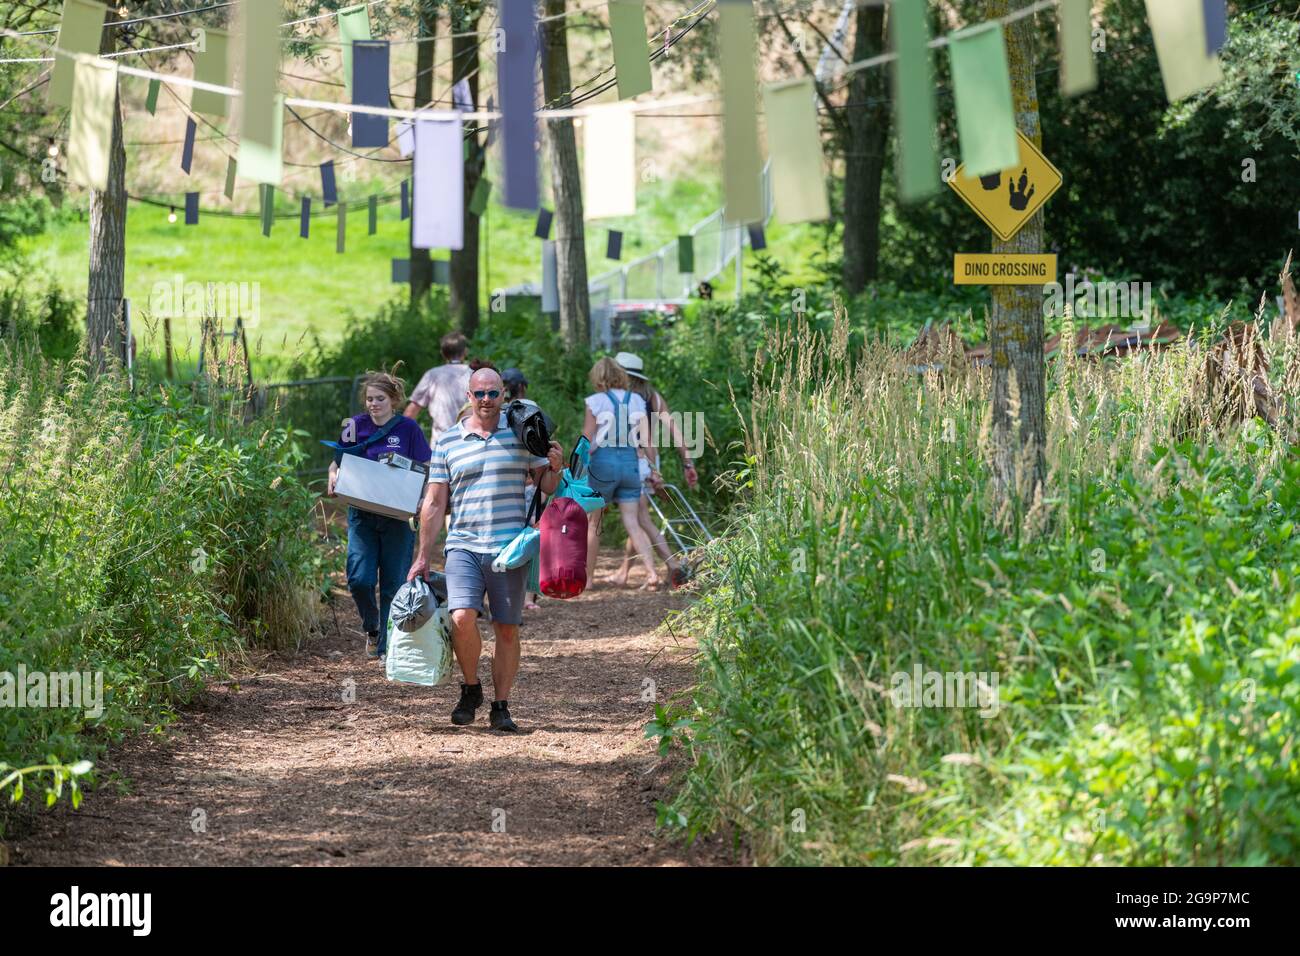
column 683, row 526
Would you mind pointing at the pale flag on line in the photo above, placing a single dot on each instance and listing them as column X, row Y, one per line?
column 439, row 185
column 609, row 162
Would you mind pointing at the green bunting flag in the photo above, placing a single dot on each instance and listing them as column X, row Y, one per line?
column 231, row 168
column 264, row 163
column 685, row 254
column 354, row 24
column 212, row 66
column 261, row 108
column 1178, row 27
column 80, row 29
column 986, row 122
column 742, row 165
column 795, row 145
column 90, row 132
column 267, row 194
column 478, row 200
column 343, row 228
column 1078, row 71
column 631, row 51
column 373, row 210
column 151, row 98
column 918, row 174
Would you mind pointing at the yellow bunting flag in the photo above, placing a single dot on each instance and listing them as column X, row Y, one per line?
column 1078, row 71
column 212, row 65
column 264, row 162
column 90, row 132
column 1178, row 27
column 742, row 164
column 80, row 31
column 794, row 143
column 259, row 62
column 631, row 51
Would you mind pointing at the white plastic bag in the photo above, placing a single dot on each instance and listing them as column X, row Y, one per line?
column 422, row 656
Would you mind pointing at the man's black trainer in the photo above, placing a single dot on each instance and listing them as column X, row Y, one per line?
column 499, row 717
column 471, row 699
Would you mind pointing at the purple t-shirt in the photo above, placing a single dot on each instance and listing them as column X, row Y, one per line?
column 406, row 438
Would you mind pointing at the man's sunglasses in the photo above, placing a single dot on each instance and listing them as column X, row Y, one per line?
column 490, row 393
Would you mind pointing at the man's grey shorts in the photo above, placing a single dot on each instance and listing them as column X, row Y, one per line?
column 470, row 574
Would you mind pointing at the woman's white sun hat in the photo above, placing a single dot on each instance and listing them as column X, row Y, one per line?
column 631, row 364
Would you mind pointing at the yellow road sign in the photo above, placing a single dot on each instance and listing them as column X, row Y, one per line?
column 977, row 268
column 1006, row 200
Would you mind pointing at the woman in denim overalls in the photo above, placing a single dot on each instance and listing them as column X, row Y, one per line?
column 616, row 427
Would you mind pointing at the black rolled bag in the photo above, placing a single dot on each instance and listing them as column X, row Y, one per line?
column 531, row 425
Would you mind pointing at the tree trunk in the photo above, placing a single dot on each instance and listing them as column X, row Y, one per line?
column 1016, row 321
column 421, row 267
column 464, row 261
column 104, row 330
column 566, row 185
column 864, row 154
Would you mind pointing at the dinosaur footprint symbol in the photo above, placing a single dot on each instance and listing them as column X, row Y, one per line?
column 1020, row 198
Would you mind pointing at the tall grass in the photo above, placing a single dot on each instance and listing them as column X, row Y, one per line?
column 1141, row 619
column 148, row 537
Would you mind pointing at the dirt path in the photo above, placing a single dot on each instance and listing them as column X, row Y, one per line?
column 282, row 771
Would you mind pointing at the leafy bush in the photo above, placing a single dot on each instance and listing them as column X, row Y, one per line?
column 1140, row 627
column 54, row 321
column 142, row 538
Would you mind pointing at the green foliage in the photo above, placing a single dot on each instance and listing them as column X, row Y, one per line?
column 1152, row 192
column 54, row 320
column 142, row 538
column 25, row 215
column 1141, row 628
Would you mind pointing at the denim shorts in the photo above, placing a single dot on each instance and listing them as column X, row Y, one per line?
column 470, row 574
column 614, row 474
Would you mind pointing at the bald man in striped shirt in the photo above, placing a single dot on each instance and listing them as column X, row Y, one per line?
column 479, row 467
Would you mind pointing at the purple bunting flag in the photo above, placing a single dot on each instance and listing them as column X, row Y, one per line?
column 369, row 88
column 544, row 217
column 327, row 187
column 517, row 85
column 187, row 152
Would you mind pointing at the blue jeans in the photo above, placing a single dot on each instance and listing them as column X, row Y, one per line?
column 614, row 474
column 379, row 553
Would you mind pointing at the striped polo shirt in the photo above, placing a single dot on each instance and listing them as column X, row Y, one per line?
column 485, row 477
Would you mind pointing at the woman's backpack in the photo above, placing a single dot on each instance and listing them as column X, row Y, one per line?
column 563, row 555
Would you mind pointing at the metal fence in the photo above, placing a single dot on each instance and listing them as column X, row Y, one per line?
column 315, row 405
column 319, row 405
column 654, row 278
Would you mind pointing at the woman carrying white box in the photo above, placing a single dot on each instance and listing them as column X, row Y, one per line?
column 379, row 547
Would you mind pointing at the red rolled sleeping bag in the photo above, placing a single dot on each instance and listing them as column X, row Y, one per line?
column 563, row 558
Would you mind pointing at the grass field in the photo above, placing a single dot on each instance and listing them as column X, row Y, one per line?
column 305, row 288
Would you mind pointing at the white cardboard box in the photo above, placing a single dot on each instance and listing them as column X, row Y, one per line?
column 379, row 487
